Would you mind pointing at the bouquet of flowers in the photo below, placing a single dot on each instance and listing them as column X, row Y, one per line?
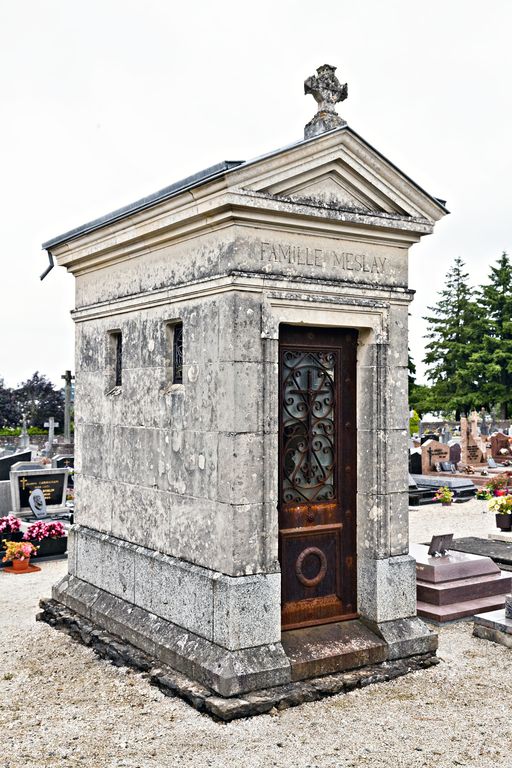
column 9, row 524
column 483, row 494
column 501, row 505
column 40, row 530
column 499, row 482
column 444, row 495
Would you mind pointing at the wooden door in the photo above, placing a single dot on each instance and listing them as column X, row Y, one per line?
column 317, row 475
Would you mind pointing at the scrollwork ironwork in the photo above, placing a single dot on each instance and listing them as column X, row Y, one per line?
column 308, row 413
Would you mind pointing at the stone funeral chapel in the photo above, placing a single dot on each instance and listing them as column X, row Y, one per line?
column 241, row 414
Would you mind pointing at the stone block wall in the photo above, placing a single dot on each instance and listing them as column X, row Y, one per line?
column 177, row 467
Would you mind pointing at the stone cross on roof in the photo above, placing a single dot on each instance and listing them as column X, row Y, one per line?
column 327, row 91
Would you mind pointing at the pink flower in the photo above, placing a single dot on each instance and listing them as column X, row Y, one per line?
column 9, row 524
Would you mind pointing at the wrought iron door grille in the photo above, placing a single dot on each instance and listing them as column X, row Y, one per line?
column 308, row 412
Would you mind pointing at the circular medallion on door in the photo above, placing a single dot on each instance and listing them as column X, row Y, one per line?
column 305, row 560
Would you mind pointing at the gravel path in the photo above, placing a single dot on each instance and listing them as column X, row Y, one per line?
column 468, row 519
column 63, row 707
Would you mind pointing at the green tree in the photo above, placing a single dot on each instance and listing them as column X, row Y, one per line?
column 491, row 361
column 453, row 331
column 10, row 415
column 38, row 399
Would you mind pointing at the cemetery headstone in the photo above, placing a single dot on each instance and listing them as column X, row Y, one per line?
column 37, row 503
column 471, row 447
column 500, row 445
column 68, row 461
column 415, row 467
column 6, row 462
column 433, row 452
column 455, row 453
column 25, row 479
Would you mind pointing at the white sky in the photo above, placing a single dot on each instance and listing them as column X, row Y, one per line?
column 106, row 101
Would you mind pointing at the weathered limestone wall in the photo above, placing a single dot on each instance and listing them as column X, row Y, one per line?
column 246, row 249
column 177, row 466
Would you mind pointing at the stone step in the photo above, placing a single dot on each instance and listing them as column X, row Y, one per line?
column 329, row 648
column 464, row 589
column 461, row 610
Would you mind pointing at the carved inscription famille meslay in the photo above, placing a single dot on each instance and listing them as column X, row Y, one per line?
column 285, row 253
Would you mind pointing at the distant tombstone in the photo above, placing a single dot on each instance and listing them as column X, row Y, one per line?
column 37, row 503
column 415, row 463
column 470, row 441
column 65, row 460
column 433, row 452
column 25, row 479
column 499, row 443
column 455, row 453
column 474, row 453
column 428, row 436
column 6, row 462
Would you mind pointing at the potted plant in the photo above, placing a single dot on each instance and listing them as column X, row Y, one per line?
column 19, row 553
column 52, row 537
column 484, row 495
column 10, row 527
column 499, row 483
column 444, row 495
column 502, row 507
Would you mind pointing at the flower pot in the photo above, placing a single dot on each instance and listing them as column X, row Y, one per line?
column 20, row 565
column 504, row 522
column 446, row 503
column 17, row 536
column 500, row 492
column 49, row 547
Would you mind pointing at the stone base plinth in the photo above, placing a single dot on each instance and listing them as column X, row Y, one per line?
column 495, row 626
column 501, row 536
column 174, row 683
column 228, row 672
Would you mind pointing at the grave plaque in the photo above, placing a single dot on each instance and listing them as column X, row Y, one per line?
column 51, row 486
column 432, row 453
column 439, row 545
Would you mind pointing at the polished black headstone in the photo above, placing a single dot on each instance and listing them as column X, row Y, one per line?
column 6, row 462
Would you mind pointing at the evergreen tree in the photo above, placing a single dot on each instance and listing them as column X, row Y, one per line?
column 453, row 331
column 38, row 399
column 10, row 415
column 491, row 362
column 411, row 375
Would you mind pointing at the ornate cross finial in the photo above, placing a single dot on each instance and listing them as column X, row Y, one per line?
column 327, row 91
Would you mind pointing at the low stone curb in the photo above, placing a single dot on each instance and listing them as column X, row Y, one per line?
column 173, row 683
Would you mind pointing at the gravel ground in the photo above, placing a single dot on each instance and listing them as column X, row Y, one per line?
column 63, row 707
column 468, row 519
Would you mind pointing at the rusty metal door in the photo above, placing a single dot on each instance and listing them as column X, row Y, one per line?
column 317, row 475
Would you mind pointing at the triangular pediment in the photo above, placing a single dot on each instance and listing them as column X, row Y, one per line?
column 337, row 170
column 328, row 186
